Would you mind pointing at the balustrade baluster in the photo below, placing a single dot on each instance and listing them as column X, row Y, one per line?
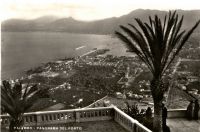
column 88, row 114
column 62, row 116
column 46, row 118
column 103, row 112
column 92, row 114
column 42, row 117
column 58, row 116
column 30, row 119
column 25, row 119
column 50, row 117
column 54, row 116
column 34, row 118
column 66, row 116
column 96, row 113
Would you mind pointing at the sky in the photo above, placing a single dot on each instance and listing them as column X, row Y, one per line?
column 86, row 10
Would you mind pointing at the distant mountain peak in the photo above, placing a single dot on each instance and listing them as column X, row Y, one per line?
column 71, row 18
column 46, row 19
column 105, row 26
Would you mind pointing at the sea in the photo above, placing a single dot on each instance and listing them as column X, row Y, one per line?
column 21, row 51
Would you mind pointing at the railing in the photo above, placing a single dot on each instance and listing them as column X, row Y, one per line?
column 178, row 113
column 127, row 122
column 79, row 115
column 93, row 104
column 62, row 116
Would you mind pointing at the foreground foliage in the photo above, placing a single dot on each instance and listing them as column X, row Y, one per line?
column 16, row 100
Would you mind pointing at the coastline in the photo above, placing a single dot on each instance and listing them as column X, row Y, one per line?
column 24, row 74
column 93, row 53
column 88, row 53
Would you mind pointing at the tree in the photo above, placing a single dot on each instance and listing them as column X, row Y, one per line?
column 156, row 43
column 16, row 100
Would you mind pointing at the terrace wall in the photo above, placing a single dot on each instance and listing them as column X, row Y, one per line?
column 178, row 113
column 88, row 114
column 79, row 115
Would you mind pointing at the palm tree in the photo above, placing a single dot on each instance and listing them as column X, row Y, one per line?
column 16, row 100
column 156, row 43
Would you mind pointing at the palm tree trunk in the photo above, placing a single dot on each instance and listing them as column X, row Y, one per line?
column 157, row 120
column 158, row 94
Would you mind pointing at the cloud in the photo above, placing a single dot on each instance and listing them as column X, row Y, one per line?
column 86, row 9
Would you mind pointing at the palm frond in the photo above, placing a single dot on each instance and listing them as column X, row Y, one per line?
column 181, row 44
column 156, row 43
column 31, row 90
column 17, row 91
column 15, row 102
column 140, row 42
column 133, row 48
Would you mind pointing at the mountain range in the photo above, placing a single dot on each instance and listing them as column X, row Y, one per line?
column 104, row 26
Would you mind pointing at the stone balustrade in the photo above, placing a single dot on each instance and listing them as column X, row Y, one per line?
column 87, row 114
column 127, row 122
column 63, row 116
column 177, row 113
column 79, row 115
